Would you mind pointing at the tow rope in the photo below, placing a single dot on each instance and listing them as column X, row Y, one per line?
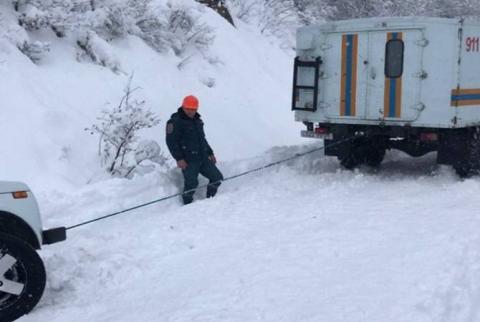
column 296, row 156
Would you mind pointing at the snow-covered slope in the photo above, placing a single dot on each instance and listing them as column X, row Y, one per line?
column 45, row 109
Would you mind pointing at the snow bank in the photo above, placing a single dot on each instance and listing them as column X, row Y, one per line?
column 243, row 84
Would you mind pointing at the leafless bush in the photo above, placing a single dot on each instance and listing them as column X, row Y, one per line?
column 119, row 131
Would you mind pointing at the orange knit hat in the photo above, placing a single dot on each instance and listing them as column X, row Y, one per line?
column 190, row 102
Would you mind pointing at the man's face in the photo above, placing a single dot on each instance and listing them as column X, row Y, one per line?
column 190, row 113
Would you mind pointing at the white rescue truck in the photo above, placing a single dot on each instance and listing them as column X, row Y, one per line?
column 22, row 274
column 411, row 84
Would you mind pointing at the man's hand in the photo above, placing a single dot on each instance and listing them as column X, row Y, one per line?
column 212, row 158
column 182, row 164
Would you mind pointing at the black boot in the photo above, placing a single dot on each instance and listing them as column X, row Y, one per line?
column 211, row 192
column 187, row 199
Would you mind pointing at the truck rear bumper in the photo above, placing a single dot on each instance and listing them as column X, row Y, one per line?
column 312, row 134
column 347, row 130
column 54, row 235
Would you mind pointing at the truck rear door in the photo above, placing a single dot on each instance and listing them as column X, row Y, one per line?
column 394, row 75
column 344, row 84
column 373, row 75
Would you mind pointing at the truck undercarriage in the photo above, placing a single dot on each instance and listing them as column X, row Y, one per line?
column 459, row 148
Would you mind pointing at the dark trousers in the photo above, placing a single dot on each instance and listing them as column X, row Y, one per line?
column 207, row 169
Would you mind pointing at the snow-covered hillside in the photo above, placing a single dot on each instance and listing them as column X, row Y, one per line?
column 244, row 95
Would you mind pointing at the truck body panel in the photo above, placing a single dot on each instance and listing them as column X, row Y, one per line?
column 416, row 72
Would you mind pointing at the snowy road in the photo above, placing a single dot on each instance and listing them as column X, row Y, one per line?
column 300, row 242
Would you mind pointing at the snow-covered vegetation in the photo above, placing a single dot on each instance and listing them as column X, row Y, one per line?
column 67, row 61
column 171, row 26
column 302, row 242
column 118, row 130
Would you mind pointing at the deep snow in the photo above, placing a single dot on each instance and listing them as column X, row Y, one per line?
column 300, row 242
column 305, row 241
column 48, row 106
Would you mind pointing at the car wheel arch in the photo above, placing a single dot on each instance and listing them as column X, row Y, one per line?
column 14, row 225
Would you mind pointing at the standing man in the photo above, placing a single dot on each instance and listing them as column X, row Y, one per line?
column 189, row 147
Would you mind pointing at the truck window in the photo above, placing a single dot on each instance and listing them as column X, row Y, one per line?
column 305, row 85
column 394, row 58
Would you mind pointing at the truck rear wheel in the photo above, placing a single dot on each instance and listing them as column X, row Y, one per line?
column 374, row 157
column 351, row 160
column 362, row 151
column 469, row 164
column 22, row 278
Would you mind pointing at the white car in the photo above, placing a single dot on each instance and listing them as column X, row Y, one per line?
column 22, row 273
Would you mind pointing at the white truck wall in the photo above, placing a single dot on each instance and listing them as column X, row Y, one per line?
column 440, row 63
column 466, row 98
column 425, row 102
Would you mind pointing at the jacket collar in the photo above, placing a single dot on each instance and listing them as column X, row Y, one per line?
column 185, row 116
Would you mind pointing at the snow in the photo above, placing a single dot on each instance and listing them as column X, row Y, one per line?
column 303, row 241
column 53, row 103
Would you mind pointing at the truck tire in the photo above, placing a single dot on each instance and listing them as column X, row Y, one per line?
column 362, row 151
column 469, row 164
column 374, row 157
column 352, row 154
column 351, row 161
column 22, row 278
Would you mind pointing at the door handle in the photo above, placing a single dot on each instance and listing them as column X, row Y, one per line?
column 421, row 74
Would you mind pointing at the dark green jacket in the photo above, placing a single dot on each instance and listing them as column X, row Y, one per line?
column 186, row 137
